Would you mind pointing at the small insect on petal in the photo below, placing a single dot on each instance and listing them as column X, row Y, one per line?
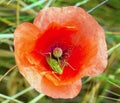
column 54, row 64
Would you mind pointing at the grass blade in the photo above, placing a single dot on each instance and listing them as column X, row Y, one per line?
column 37, row 98
column 113, row 48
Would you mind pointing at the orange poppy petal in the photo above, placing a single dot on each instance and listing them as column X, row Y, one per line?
column 66, row 16
column 43, row 85
column 65, row 91
column 25, row 37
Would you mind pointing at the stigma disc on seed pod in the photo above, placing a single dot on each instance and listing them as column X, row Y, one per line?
column 57, row 52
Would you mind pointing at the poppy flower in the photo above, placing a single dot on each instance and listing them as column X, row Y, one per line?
column 61, row 46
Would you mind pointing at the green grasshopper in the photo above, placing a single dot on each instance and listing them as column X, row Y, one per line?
column 55, row 64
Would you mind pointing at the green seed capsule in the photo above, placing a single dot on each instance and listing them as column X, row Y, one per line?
column 57, row 52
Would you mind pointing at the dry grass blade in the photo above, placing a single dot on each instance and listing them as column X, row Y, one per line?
column 7, row 97
column 81, row 3
column 113, row 93
column 33, row 5
column 7, row 72
column 37, row 98
column 110, row 32
column 110, row 98
column 113, row 48
column 102, row 3
column 19, row 94
column 114, row 84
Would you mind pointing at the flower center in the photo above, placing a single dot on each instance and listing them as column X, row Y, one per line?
column 57, row 52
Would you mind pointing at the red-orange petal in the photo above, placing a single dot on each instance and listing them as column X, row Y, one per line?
column 25, row 37
column 61, row 91
column 43, row 85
